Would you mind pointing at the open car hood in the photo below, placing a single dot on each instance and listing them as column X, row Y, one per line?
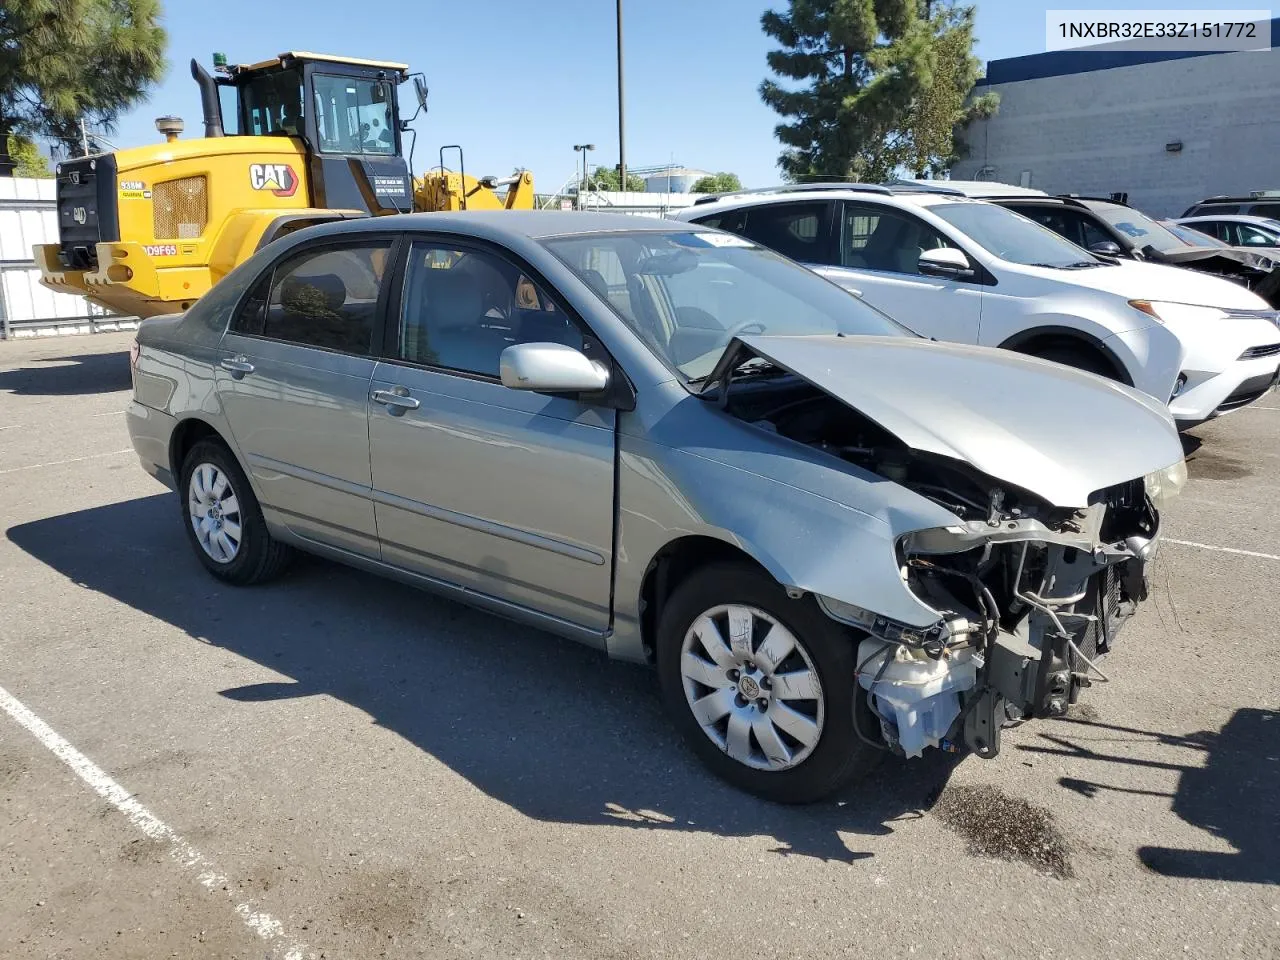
column 1056, row 432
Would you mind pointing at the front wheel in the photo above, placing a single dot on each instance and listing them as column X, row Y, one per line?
column 761, row 685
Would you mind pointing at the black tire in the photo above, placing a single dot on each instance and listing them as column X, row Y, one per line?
column 840, row 755
column 260, row 557
column 1078, row 356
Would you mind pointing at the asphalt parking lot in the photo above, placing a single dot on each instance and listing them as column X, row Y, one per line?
column 342, row 767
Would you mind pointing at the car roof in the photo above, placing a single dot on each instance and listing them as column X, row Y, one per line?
column 532, row 224
column 1253, row 218
column 984, row 189
column 918, row 192
column 1258, row 196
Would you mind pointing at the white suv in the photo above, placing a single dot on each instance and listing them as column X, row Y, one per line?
column 958, row 269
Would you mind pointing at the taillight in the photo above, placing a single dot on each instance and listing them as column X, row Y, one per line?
column 133, row 353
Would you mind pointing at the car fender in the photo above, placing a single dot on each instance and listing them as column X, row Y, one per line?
column 805, row 540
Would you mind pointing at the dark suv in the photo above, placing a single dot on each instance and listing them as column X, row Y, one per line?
column 1264, row 203
column 1112, row 228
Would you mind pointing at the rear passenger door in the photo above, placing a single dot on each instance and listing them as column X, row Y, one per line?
column 879, row 252
column 503, row 492
column 800, row 230
column 293, row 380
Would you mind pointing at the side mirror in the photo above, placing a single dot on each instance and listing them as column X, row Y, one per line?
column 420, row 88
column 945, row 262
column 1107, row 248
column 551, row 368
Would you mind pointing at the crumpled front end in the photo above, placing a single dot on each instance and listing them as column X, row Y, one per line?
column 1029, row 599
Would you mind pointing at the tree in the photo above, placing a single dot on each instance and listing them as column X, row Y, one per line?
column 875, row 85
column 63, row 61
column 717, row 183
column 930, row 141
column 28, row 160
column 606, row 179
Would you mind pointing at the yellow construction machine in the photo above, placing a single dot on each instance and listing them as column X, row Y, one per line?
column 304, row 138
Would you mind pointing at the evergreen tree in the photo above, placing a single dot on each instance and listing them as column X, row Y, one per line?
column 869, row 86
column 63, row 61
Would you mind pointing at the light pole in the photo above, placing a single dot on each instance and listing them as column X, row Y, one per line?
column 582, row 148
column 622, row 124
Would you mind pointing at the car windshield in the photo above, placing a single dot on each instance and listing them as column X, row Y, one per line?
column 688, row 294
column 1011, row 236
column 1192, row 237
column 1144, row 231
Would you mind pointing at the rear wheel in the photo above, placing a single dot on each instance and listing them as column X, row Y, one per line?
column 761, row 685
column 223, row 519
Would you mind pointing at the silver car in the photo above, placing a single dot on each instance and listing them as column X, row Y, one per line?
column 832, row 538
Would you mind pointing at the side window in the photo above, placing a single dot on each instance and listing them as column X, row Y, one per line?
column 1091, row 233
column 1252, row 237
column 326, row 298
column 795, row 230
column 735, row 221
column 1066, row 225
column 1220, row 229
column 1271, row 210
column 462, row 308
column 880, row 238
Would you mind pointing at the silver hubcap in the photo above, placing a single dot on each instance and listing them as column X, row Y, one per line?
column 214, row 512
column 752, row 687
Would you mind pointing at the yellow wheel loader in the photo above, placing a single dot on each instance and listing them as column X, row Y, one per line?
column 307, row 138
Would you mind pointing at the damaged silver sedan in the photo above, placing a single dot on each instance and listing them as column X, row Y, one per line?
column 832, row 538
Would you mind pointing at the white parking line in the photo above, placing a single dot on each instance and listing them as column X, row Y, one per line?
column 1209, row 546
column 202, row 870
column 58, row 463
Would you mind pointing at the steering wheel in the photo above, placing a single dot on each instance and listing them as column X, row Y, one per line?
column 745, row 327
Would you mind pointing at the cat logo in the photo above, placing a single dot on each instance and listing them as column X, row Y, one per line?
column 79, row 215
column 279, row 178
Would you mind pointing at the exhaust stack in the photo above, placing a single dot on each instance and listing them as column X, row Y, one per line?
column 208, row 100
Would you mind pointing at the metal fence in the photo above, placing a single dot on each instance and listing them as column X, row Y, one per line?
column 28, row 215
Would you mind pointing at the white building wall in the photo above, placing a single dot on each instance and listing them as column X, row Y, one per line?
column 1105, row 131
column 27, row 217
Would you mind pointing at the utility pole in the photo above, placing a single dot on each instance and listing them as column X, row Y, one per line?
column 84, row 139
column 622, row 123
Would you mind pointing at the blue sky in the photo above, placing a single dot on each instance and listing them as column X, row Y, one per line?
column 519, row 83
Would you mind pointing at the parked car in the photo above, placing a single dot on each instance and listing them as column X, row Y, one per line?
column 1111, row 228
column 954, row 268
column 1195, row 238
column 1239, row 230
column 1261, row 203
column 832, row 537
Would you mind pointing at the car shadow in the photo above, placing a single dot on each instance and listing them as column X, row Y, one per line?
column 1231, row 795
column 68, row 376
column 547, row 726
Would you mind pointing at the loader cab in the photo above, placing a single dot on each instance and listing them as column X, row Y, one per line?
column 345, row 113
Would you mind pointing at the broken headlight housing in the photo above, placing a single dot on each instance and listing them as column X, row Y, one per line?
column 1163, row 485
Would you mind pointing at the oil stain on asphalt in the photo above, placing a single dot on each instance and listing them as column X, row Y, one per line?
column 999, row 825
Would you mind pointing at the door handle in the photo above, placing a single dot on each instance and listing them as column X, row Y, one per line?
column 236, row 366
column 396, row 400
